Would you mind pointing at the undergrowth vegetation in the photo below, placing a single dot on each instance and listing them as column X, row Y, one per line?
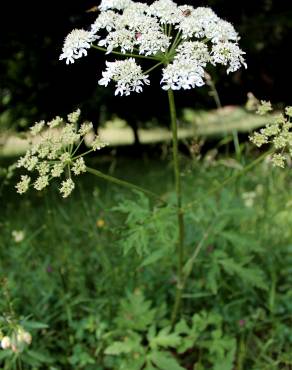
column 92, row 278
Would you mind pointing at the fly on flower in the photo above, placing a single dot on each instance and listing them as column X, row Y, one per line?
column 186, row 13
column 93, row 9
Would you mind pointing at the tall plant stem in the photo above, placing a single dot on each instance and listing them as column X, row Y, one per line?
column 180, row 214
column 124, row 183
column 216, row 97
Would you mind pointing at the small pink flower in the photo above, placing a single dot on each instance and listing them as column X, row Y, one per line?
column 241, row 323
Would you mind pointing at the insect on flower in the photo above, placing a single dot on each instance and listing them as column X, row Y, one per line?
column 186, row 12
column 138, row 35
column 93, row 9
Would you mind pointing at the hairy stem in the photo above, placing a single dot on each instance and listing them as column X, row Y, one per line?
column 124, row 183
column 180, row 215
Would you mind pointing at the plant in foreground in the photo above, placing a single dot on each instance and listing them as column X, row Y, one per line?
column 277, row 133
column 182, row 40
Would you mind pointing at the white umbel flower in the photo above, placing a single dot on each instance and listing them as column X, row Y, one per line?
column 37, row 128
column 114, row 4
column 76, row 45
column 221, row 31
column 98, row 144
column 150, row 43
column 41, row 182
column 55, row 153
column 182, row 38
column 197, row 22
column 127, row 74
column 123, row 39
column 105, row 20
column 166, row 10
column 229, row 54
column 194, row 50
column 23, row 185
column 67, row 187
column 79, row 166
column 85, row 128
column 182, row 74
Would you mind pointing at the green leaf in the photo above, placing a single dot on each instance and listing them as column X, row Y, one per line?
column 165, row 339
column 164, row 361
column 118, row 348
column 153, row 257
column 250, row 275
column 35, row 325
column 41, row 357
column 135, row 312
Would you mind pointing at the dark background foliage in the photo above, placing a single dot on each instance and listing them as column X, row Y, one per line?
column 35, row 84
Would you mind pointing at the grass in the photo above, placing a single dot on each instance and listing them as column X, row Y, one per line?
column 70, row 271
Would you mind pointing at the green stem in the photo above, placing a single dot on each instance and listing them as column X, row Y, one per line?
column 180, row 214
column 78, row 146
column 175, row 42
column 82, row 155
column 124, row 54
column 215, row 95
column 124, row 183
column 152, row 68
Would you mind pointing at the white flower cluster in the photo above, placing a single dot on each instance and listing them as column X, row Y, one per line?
column 17, row 341
column 278, row 133
column 55, row 153
column 76, row 45
column 183, row 38
column 126, row 74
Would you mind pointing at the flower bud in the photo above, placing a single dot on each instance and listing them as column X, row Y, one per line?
column 5, row 342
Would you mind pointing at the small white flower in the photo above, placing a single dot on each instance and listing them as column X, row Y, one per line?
column 41, row 182
column 114, row 4
column 23, row 336
column 221, row 31
column 150, row 43
column 23, row 185
column 79, row 166
column 37, row 128
column 28, row 161
column 6, row 342
column 105, row 20
column 76, row 45
column 197, row 23
column 74, row 116
column 166, row 10
column 127, row 74
column 55, row 122
column 43, row 168
column 69, row 134
column 57, row 170
column 122, row 38
column 18, row 235
column 98, row 144
column 85, row 128
column 67, row 187
column 228, row 54
column 194, row 50
column 27, row 338
column 65, row 158
column 182, row 74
